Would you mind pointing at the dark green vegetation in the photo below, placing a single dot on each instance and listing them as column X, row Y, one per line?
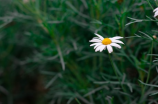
column 45, row 57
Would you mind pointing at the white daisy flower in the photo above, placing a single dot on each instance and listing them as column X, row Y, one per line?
column 103, row 43
column 156, row 12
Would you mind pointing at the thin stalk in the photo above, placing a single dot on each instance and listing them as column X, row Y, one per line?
column 113, row 66
column 150, row 4
column 148, row 76
column 77, row 101
column 117, row 75
column 156, row 1
column 150, row 63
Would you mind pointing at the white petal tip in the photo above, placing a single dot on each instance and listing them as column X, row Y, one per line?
column 121, row 43
column 118, row 47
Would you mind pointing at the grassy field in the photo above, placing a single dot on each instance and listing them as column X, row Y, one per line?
column 46, row 58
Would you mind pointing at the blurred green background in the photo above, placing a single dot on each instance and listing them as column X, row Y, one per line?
column 46, row 58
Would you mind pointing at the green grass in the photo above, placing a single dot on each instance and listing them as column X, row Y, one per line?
column 46, row 58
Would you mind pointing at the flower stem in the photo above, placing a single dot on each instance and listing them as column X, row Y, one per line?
column 150, row 5
column 117, row 75
column 150, row 63
column 113, row 66
column 148, row 76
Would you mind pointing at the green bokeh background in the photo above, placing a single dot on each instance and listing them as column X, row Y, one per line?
column 46, row 58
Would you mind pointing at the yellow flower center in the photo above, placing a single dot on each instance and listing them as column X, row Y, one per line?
column 106, row 41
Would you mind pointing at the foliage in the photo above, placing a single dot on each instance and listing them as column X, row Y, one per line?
column 46, row 58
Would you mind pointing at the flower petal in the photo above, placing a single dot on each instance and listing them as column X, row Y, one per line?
column 99, row 36
column 95, row 44
column 117, row 37
column 155, row 10
column 95, row 40
column 98, row 48
column 109, row 48
column 102, row 48
column 116, row 41
column 105, row 47
column 156, row 14
column 115, row 45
